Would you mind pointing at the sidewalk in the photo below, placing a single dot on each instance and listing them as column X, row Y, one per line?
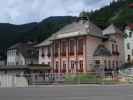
column 71, row 85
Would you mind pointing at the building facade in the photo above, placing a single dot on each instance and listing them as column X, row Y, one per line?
column 115, row 44
column 128, row 44
column 45, row 52
column 22, row 54
column 81, row 46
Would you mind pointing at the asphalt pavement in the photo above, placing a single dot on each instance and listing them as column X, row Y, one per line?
column 68, row 92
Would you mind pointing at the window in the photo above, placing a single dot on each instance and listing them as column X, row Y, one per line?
column 112, row 48
column 130, row 34
column 56, row 66
column 97, row 62
column 109, row 64
column 128, row 45
column 48, row 63
column 72, row 64
column 64, row 67
column 81, row 65
column 80, row 46
column 72, row 42
column 63, row 46
column 105, row 63
column 132, row 52
column 129, row 58
column 42, row 52
column 56, row 48
column 113, row 64
column 116, row 48
column 49, row 51
column 117, row 64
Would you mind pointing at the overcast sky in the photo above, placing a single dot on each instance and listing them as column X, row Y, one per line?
column 25, row 11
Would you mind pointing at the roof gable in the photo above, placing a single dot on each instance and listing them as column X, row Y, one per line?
column 112, row 29
column 78, row 29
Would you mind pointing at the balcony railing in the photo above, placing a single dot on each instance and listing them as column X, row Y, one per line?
column 71, row 53
column 80, row 53
column 63, row 53
column 116, row 53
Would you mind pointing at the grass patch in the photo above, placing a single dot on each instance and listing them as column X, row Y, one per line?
column 87, row 79
column 82, row 79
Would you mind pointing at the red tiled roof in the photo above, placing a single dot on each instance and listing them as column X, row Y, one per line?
column 130, row 26
column 130, row 5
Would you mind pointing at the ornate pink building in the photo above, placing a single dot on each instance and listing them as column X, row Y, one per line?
column 82, row 46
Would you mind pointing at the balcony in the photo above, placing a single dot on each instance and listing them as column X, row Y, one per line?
column 115, row 53
column 63, row 53
column 80, row 53
column 71, row 53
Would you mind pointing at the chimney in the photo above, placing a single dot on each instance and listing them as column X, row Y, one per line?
column 83, row 19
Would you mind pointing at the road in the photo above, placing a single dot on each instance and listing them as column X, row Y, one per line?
column 83, row 92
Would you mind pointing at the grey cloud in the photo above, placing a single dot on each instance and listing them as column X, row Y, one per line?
column 24, row 11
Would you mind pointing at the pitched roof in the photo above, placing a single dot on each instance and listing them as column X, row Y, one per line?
column 112, row 29
column 25, row 49
column 46, row 42
column 102, row 51
column 21, row 45
column 78, row 29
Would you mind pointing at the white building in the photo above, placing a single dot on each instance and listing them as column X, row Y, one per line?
column 22, row 54
column 128, row 43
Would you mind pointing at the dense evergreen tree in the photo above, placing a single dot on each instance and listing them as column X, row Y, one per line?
column 117, row 12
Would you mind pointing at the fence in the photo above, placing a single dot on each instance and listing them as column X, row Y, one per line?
column 11, row 80
column 24, row 80
column 73, row 78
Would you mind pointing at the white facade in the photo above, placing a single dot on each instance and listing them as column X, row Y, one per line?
column 45, row 55
column 11, row 80
column 14, row 57
column 128, row 45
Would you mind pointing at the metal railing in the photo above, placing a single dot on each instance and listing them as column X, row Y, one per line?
column 24, row 80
